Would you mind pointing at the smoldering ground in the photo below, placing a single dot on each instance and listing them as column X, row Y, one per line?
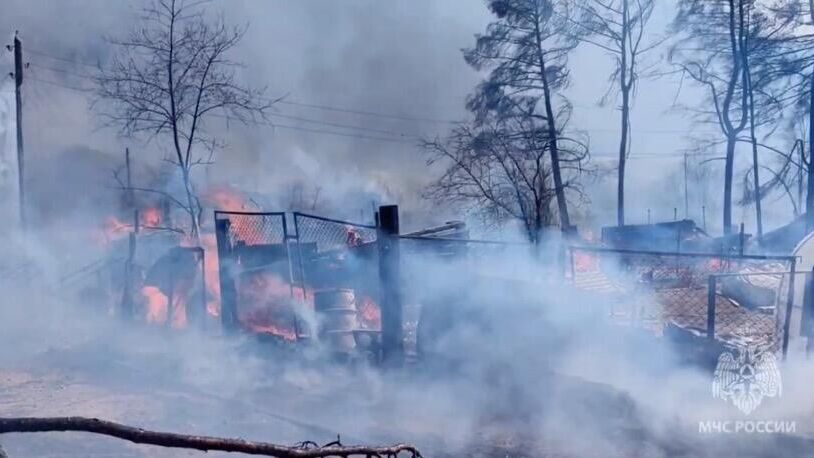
column 517, row 367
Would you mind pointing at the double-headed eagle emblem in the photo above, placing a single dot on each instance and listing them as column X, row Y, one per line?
column 746, row 376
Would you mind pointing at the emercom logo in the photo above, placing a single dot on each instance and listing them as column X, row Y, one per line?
column 745, row 375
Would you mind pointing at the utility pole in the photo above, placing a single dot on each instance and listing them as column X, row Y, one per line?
column 129, row 196
column 686, row 191
column 18, row 82
column 800, row 144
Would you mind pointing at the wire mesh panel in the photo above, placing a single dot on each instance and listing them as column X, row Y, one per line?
column 254, row 228
column 329, row 234
column 256, row 274
column 657, row 289
column 332, row 254
column 749, row 308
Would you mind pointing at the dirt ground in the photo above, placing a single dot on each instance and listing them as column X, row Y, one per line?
column 151, row 381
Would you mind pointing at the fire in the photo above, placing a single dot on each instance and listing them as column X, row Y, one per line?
column 150, row 217
column 370, row 315
column 585, row 262
column 353, row 238
column 156, row 304
column 267, row 304
column 113, row 228
column 211, row 273
column 227, row 198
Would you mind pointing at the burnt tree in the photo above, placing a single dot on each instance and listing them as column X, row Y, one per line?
column 500, row 170
column 618, row 28
column 710, row 52
column 526, row 51
column 168, row 78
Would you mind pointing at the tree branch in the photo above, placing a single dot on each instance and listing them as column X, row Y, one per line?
column 203, row 443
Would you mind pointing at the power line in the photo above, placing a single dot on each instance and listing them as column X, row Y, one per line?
column 347, row 110
column 342, row 134
column 59, row 70
column 367, row 113
column 295, row 118
column 342, row 126
column 54, row 83
column 61, row 59
column 286, row 102
column 316, row 131
column 383, row 139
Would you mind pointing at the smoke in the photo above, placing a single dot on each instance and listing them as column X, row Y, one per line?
column 520, row 363
column 398, row 60
column 514, row 361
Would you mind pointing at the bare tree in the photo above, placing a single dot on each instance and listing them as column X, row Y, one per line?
column 526, row 50
column 618, row 27
column 795, row 63
column 710, row 52
column 501, row 171
column 169, row 77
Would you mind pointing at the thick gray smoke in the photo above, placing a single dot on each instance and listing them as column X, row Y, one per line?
column 400, row 60
column 518, row 362
column 525, row 364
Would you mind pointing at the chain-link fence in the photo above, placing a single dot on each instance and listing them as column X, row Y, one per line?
column 327, row 234
column 250, row 228
column 256, row 273
column 332, row 254
column 751, row 307
column 732, row 298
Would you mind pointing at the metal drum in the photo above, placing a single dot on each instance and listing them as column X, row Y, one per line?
column 336, row 315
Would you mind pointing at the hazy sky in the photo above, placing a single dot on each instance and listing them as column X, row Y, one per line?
column 399, row 58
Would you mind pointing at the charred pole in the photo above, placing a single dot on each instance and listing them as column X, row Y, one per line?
column 390, row 278
column 18, row 82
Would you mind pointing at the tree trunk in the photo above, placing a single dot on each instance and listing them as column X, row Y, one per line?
column 620, row 194
column 755, row 164
column 732, row 130
column 193, row 208
column 625, row 88
column 731, row 139
column 559, row 190
column 810, row 177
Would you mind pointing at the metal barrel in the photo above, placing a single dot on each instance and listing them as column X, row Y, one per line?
column 337, row 321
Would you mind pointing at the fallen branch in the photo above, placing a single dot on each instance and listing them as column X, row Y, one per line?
column 203, row 443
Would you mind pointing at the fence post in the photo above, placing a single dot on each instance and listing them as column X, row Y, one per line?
column 204, row 311
column 711, row 307
column 127, row 308
column 389, row 277
column 789, row 308
column 228, row 292
column 807, row 321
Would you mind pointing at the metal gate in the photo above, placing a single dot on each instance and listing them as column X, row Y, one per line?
column 253, row 251
column 262, row 258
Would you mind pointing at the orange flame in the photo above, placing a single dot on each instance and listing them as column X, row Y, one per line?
column 227, row 198
column 157, row 303
column 267, row 304
column 370, row 315
column 585, row 262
